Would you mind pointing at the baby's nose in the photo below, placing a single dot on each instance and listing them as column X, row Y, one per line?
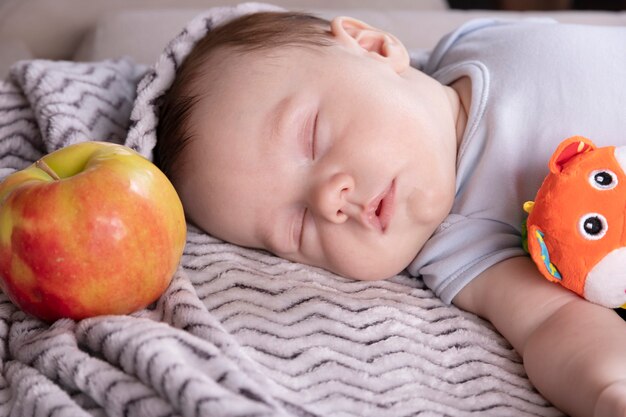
column 330, row 198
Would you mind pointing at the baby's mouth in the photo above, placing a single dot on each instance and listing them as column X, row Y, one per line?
column 380, row 210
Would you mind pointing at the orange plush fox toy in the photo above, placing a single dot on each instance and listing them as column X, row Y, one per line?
column 576, row 229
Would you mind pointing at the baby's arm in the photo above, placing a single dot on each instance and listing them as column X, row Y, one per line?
column 573, row 350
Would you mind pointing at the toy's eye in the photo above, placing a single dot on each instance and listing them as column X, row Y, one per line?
column 593, row 226
column 603, row 179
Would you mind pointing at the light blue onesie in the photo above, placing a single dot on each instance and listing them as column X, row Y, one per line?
column 533, row 85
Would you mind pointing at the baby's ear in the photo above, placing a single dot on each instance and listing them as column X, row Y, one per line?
column 377, row 43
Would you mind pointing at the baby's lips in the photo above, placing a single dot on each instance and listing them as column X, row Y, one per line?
column 380, row 209
column 388, row 205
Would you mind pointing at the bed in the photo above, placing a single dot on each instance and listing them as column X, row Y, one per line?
column 239, row 332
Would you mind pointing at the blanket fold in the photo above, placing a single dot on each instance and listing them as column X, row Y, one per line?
column 238, row 332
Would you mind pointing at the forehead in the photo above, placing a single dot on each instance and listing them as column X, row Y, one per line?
column 273, row 67
column 222, row 186
column 231, row 166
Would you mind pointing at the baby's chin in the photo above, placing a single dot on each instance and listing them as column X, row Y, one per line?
column 381, row 271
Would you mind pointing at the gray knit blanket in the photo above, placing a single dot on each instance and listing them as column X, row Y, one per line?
column 239, row 332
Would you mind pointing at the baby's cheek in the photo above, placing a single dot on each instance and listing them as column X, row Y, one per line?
column 429, row 205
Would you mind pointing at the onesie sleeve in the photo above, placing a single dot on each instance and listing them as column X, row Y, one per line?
column 460, row 249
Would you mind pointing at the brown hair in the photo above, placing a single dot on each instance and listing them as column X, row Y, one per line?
column 248, row 33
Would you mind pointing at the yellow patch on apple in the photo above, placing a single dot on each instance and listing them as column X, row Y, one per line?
column 7, row 224
column 24, row 276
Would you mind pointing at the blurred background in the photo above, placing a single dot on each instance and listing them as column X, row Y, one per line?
column 86, row 30
column 539, row 4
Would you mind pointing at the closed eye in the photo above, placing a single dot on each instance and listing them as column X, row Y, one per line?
column 302, row 223
column 313, row 136
column 309, row 130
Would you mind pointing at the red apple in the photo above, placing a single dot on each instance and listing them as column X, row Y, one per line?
column 91, row 229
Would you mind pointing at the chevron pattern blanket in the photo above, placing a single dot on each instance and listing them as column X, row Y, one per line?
column 239, row 332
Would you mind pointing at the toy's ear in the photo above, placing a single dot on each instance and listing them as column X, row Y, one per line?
column 540, row 255
column 568, row 149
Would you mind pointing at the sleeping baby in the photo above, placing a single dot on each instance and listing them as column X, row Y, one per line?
column 318, row 141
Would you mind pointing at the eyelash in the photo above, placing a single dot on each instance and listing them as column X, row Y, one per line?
column 312, row 137
column 302, row 228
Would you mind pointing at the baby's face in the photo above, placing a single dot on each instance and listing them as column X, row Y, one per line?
column 330, row 158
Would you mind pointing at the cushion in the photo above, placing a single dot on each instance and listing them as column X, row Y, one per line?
column 11, row 50
column 142, row 34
